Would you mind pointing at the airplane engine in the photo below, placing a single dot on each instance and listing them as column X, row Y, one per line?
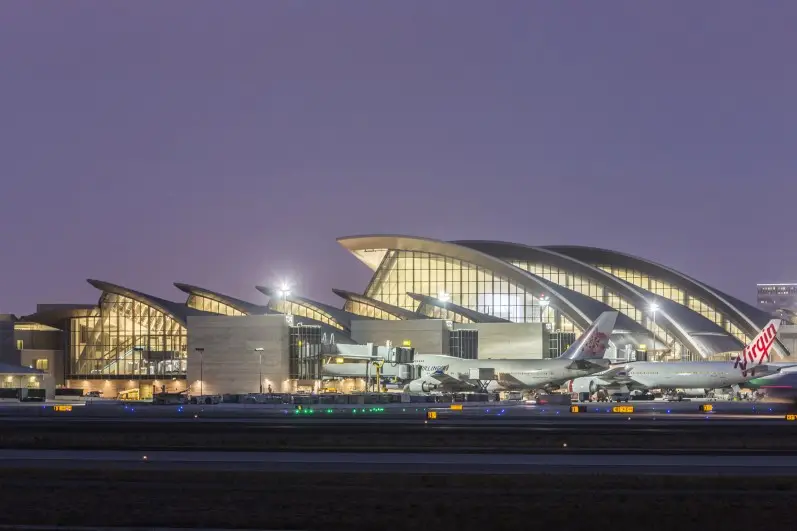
column 582, row 385
column 421, row 386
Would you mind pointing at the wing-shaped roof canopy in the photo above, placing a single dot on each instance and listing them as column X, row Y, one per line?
column 690, row 328
column 747, row 317
column 699, row 334
column 473, row 315
column 396, row 311
column 532, row 284
column 240, row 305
column 342, row 317
column 177, row 311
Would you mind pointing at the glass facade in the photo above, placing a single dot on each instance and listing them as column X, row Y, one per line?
column 558, row 342
column 464, row 344
column 305, row 353
column 207, row 304
column 597, row 291
column 436, row 312
column 369, row 310
column 674, row 293
column 466, row 284
column 303, row 310
column 126, row 338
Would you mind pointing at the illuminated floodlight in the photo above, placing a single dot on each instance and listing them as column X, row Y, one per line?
column 544, row 301
column 653, row 307
column 443, row 296
column 285, row 290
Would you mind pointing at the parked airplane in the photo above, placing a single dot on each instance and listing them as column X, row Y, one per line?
column 624, row 378
column 439, row 372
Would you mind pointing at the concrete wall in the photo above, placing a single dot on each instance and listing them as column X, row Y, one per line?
column 229, row 363
column 509, row 340
column 428, row 336
column 28, row 358
column 39, row 339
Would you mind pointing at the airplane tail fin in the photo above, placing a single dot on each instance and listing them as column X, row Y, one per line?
column 593, row 343
column 758, row 350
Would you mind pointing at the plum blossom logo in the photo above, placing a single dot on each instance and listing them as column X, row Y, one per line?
column 596, row 343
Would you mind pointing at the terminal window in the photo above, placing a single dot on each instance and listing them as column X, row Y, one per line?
column 558, row 342
column 20, row 344
column 305, row 353
column 464, row 344
column 42, row 364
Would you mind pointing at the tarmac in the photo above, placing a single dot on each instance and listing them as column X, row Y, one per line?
column 407, row 463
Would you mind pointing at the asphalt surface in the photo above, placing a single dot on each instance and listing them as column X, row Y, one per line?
column 401, row 412
column 412, row 463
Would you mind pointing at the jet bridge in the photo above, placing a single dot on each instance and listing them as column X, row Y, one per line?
column 361, row 361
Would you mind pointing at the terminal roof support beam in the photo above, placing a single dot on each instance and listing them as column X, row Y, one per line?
column 334, row 315
column 472, row 315
column 395, row 311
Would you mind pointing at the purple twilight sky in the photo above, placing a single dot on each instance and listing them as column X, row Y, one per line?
column 228, row 144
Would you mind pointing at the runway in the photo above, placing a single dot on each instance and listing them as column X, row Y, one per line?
column 408, row 463
column 400, row 413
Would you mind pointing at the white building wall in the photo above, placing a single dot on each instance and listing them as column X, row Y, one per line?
column 55, row 359
column 427, row 336
column 229, row 362
column 509, row 340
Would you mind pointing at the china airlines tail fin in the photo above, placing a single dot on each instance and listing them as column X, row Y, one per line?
column 758, row 349
column 593, row 343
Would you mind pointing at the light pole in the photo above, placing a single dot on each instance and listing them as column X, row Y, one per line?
column 259, row 351
column 653, row 309
column 544, row 302
column 285, row 292
column 201, row 369
column 444, row 298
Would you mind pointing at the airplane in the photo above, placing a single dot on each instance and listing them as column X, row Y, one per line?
column 780, row 385
column 449, row 373
column 643, row 375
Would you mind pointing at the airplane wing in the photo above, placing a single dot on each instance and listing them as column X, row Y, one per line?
column 616, row 374
column 588, row 365
column 768, row 370
column 445, row 379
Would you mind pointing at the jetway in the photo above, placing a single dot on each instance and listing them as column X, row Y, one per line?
column 370, row 361
column 362, row 370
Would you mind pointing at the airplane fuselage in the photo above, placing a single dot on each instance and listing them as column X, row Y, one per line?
column 509, row 374
column 694, row 375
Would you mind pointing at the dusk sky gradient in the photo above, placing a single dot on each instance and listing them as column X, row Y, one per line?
column 229, row 143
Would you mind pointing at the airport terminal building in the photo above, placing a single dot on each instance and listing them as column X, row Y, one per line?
column 469, row 299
